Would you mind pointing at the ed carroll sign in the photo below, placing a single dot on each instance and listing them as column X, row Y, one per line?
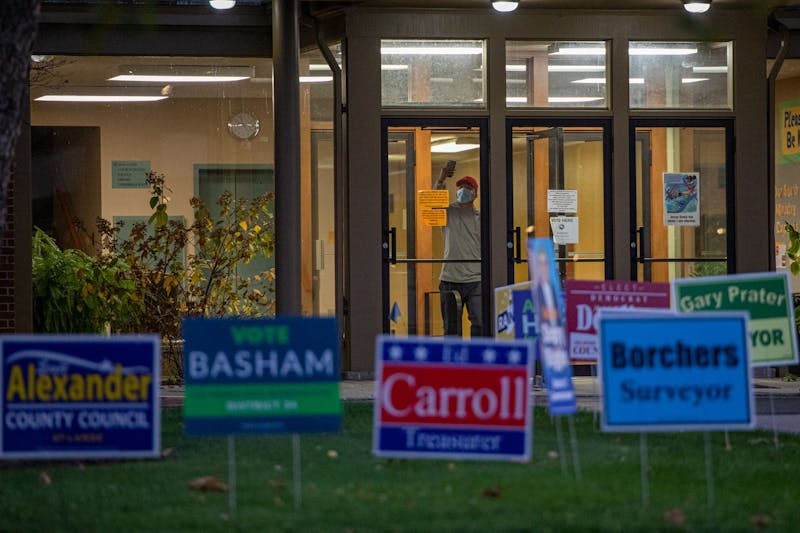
column 79, row 396
column 261, row 376
column 448, row 398
column 664, row 372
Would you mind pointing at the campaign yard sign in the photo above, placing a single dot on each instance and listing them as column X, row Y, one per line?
column 675, row 372
column 252, row 376
column 80, row 396
column 767, row 297
column 450, row 398
column 585, row 297
column 514, row 313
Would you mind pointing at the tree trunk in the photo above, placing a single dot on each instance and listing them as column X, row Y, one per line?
column 18, row 23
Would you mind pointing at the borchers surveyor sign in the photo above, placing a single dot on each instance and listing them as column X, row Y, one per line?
column 663, row 371
column 764, row 295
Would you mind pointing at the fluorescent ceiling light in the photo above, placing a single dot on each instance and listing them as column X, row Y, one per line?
column 394, row 67
column 182, row 73
column 661, row 51
column 711, row 69
column 317, row 66
column 315, row 79
column 222, row 4
column 572, row 99
column 441, row 80
column 578, row 51
column 504, row 6
column 432, row 50
column 452, row 148
column 693, row 80
column 576, row 68
column 98, row 98
column 632, row 81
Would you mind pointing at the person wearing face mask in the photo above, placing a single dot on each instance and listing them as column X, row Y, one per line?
column 460, row 281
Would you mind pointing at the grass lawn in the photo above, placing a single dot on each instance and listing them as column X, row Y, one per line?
column 755, row 486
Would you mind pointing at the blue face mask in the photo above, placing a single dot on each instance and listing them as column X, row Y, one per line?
column 464, row 195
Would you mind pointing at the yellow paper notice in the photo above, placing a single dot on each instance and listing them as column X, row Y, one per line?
column 432, row 205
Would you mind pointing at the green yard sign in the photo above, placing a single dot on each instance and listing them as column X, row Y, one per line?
column 765, row 295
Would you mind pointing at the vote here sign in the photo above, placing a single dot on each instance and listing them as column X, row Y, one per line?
column 261, row 376
column 766, row 296
column 679, row 372
column 448, row 398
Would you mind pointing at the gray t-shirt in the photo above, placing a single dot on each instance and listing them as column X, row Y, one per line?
column 462, row 240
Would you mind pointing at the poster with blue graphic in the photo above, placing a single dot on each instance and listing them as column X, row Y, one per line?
column 548, row 301
column 675, row 372
column 80, row 396
column 681, row 198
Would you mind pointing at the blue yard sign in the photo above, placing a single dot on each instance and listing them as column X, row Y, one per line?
column 675, row 372
column 261, row 376
column 548, row 301
column 79, row 397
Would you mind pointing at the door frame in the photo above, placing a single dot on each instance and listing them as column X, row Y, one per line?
column 482, row 124
column 514, row 236
column 730, row 207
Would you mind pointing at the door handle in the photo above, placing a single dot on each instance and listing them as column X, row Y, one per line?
column 637, row 245
column 392, row 245
column 518, row 241
column 514, row 246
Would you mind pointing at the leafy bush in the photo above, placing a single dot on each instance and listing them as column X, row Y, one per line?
column 76, row 293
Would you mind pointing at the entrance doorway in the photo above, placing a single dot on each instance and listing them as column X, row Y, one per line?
column 551, row 163
column 682, row 200
column 415, row 151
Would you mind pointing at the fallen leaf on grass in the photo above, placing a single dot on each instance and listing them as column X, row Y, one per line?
column 167, row 452
column 277, row 484
column 451, row 466
column 44, row 478
column 333, row 454
column 552, row 454
column 760, row 521
column 208, row 484
column 675, row 516
column 757, row 441
column 492, row 492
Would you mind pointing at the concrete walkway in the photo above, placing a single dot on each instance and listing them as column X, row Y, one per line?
column 777, row 401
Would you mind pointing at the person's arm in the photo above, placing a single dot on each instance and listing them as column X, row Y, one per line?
column 446, row 172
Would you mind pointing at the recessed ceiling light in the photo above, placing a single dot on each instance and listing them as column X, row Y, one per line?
column 696, row 6
column 97, row 98
column 183, row 73
column 222, row 4
column 504, row 6
column 432, row 50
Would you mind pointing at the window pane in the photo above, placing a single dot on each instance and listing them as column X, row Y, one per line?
column 681, row 75
column 556, row 74
column 432, row 73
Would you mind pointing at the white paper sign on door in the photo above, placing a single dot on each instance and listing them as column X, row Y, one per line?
column 565, row 230
column 559, row 201
column 681, row 199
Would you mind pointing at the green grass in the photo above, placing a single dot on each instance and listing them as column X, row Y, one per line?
column 356, row 492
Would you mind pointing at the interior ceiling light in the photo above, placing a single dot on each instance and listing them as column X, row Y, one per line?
column 182, row 73
column 432, row 50
column 696, row 6
column 222, row 4
column 711, row 69
column 632, row 81
column 452, row 147
column 504, row 6
column 315, row 79
column 98, row 98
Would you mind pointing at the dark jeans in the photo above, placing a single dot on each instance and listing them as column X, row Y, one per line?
column 452, row 297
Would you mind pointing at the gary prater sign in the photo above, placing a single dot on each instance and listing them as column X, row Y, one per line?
column 671, row 372
column 79, row 396
column 449, row 398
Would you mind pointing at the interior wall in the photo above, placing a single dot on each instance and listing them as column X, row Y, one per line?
column 172, row 134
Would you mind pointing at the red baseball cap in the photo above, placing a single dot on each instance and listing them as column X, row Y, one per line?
column 468, row 180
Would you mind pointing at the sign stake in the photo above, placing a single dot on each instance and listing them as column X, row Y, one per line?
column 644, row 467
column 231, row 476
column 774, row 420
column 573, row 441
column 298, row 493
column 562, row 454
column 595, row 412
column 727, row 440
column 709, row 471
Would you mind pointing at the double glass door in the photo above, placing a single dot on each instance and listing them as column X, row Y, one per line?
column 557, row 188
column 414, row 216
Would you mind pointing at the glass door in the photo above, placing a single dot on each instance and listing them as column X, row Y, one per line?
column 433, row 240
column 557, row 189
column 681, row 196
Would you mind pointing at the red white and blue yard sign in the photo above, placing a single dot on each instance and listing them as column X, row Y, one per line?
column 452, row 398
